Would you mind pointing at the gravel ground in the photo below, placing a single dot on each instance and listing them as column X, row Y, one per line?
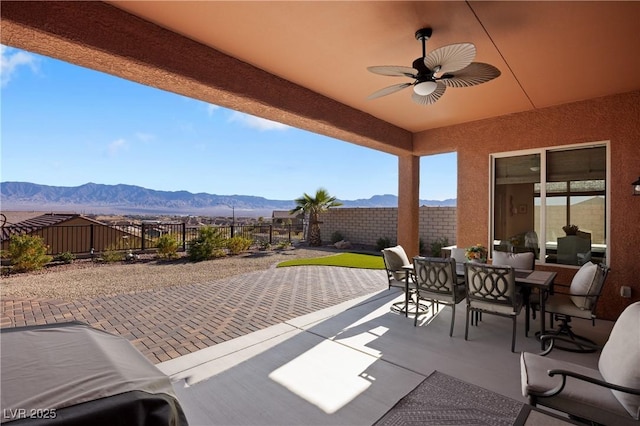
column 84, row 278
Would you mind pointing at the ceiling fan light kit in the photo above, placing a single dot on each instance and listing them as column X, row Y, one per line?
column 447, row 66
column 425, row 88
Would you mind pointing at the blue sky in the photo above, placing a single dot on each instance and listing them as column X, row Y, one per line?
column 64, row 125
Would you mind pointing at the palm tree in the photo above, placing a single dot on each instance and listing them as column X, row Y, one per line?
column 313, row 206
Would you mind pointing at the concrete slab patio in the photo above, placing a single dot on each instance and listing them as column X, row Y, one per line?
column 175, row 321
column 348, row 364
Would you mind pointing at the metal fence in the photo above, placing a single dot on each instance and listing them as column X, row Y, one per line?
column 95, row 238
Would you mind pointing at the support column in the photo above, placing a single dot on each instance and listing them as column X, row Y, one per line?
column 408, row 204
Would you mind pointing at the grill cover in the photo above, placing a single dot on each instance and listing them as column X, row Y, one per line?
column 70, row 373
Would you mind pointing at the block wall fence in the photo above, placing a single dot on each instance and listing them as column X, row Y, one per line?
column 366, row 225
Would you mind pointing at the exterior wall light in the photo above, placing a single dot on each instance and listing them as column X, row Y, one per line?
column 636, row 187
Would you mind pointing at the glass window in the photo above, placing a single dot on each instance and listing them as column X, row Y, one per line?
column 553, row 203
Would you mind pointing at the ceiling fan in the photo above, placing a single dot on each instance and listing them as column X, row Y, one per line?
column 447, row 66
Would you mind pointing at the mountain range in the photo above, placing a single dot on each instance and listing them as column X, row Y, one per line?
column 131, row 199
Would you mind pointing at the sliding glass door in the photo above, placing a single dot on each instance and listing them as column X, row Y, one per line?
column 552, row 202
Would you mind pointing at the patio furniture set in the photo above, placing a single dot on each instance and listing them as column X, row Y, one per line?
column 502, row 288
column 507, row 285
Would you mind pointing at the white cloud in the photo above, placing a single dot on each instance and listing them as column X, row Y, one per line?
column 255, row 122
column 115, row 147
column 11, row 60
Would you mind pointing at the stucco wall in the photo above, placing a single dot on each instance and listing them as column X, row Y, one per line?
column 366, row 225
column 613, row 118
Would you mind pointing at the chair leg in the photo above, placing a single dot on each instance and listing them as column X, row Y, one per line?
column 475, row 316
column 466, row 325
column 415, row 317
column 406, row 302
column 526, row 298
column 453, row 318
column 513, row 335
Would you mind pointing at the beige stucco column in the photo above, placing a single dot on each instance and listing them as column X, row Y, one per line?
column 408, row 203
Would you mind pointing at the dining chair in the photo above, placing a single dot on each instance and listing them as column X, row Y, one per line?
column 460, row 256
column 492, row 290
column 580, row 301
column 438, row 283
column 399, row 274
column 523, row 260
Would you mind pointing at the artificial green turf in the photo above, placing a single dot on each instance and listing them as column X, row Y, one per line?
column 348, row 260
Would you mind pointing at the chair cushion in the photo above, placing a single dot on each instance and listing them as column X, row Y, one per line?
column 582, row 283
column 578, row 397
column 562, row 304
column 497, row 308
column 396, row 258
column 620, row 358
column 515, row 260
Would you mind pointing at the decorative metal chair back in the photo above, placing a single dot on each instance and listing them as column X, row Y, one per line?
column 435, row 275
column 494, row 284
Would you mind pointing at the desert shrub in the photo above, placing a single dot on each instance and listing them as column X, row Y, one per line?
column 336, row 236
column 421, row 247
column 27, row 253
column 66, row 257
column 263, row 245
column 283, row 244
column 218, row 253
column 383, row 243
column 111, row 255
column 205, row 245
column 437, row 244
column 168, row 246
column 237, row 245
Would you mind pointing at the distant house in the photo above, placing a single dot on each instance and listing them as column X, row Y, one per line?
column 283, row 217
column 71, row 233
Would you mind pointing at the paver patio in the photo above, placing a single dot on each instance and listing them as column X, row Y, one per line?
column 174, row 321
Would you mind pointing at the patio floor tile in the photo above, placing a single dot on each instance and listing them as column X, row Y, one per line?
column 165, row 323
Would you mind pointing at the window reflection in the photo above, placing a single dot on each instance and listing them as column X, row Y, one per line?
column 574, row 194
column 514, row 203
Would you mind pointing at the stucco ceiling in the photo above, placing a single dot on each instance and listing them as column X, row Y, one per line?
column 549, row 53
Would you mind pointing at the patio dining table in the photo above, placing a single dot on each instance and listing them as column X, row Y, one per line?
column 541, row 280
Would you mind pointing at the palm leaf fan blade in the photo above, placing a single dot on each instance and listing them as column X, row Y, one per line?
column 476, row 73
column 393, row 71
column 450, row 58
column 388, row 90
